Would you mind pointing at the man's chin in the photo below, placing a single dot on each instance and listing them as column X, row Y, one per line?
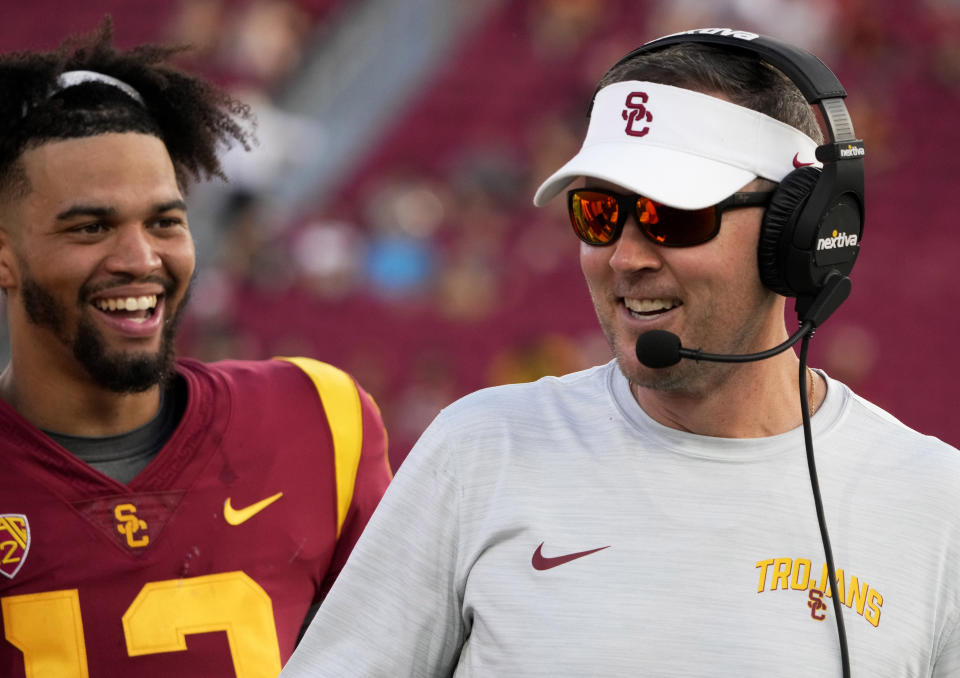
column 672, row 378
column 131, row 374
column 122, row 371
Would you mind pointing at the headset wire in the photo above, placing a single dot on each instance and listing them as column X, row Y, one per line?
column 815, row 486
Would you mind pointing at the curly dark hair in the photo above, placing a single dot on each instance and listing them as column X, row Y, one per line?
column 191, row 116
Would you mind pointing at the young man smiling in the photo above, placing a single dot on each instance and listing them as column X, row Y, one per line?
column 655, row 518
column 158, row 516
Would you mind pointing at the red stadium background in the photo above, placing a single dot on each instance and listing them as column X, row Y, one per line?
column 385, row 223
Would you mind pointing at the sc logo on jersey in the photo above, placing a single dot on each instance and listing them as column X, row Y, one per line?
column 129, row 525
column 636, row 113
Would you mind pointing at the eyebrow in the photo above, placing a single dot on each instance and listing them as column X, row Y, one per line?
column 94, row 211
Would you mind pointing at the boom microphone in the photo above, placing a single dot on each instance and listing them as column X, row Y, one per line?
column 659, row 348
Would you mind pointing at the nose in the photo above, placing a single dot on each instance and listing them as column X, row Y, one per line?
column 633, row 251
column 134, row 252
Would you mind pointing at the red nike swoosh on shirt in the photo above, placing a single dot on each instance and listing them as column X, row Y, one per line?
column 797, row 163
column 541, row 562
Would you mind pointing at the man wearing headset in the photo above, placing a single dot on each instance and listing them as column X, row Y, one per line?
column 638, row 520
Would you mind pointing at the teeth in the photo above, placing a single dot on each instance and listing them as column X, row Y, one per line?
column 649, row 305
column 128, row 303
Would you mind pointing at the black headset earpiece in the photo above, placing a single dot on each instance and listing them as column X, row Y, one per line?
column 814, row 224
column 779, row 223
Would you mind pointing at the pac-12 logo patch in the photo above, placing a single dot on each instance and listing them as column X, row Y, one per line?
column 14, row 543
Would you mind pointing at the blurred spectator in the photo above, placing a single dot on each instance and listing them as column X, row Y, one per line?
column 198, row 24
column 549, row 355
column 558, row 28
column 250, row 252
column 945, row 22
column 403, row 216
column 264, row 44
column 254, row 43
column 329, row 258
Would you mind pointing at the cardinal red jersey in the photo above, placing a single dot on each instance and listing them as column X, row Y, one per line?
column 206, row 563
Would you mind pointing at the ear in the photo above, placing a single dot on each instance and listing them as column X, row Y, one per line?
column 9, row 270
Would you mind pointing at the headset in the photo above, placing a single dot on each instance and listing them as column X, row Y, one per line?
column 811, row 231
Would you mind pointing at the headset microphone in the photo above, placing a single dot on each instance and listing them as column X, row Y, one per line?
column 659, row 348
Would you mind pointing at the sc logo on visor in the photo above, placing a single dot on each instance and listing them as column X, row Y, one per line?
column 636, row 113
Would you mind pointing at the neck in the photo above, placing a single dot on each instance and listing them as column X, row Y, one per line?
column 72, row 404
column 748, row 400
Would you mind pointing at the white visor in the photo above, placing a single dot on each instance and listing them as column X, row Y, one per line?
column 679, row 147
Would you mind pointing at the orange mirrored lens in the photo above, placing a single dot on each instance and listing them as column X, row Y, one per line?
column 594, row 216
column 648, row 218
column 675, row 227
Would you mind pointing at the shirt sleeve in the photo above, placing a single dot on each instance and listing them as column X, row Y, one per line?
column 395, row 610
column 948, row 661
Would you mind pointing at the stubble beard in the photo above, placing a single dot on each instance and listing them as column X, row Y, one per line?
column 117, row 371
column 688, row 377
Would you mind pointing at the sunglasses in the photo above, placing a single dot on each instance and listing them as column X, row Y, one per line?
column 598, row 216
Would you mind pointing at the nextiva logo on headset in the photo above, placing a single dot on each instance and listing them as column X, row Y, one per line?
column 853, row 151
column 837, row 240
column 725, row 32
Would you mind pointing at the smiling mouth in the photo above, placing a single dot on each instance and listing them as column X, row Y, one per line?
column 138, row 309
column 645, row 308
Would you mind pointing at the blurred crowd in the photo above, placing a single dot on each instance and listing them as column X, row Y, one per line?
column 426, row 272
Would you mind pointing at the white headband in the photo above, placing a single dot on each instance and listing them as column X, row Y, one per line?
column 679, row 147
column 73, row 78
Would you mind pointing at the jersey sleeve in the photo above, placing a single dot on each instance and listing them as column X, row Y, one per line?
column 371, row 480
column 361, row 464
column 395, row 610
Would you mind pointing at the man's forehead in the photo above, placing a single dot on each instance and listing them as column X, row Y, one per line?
column 90, row 143
column 79, row 158
column 114, row 171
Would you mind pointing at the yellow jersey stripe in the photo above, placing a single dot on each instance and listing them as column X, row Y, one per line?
column 341, row 402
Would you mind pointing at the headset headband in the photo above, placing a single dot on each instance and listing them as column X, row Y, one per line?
column 816, row 82
column 806, row 70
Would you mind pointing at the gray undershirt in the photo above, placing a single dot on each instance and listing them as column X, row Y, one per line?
column 123, row 456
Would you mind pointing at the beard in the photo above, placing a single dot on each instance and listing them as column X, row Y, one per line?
column 689, row 377
column 117, row 371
